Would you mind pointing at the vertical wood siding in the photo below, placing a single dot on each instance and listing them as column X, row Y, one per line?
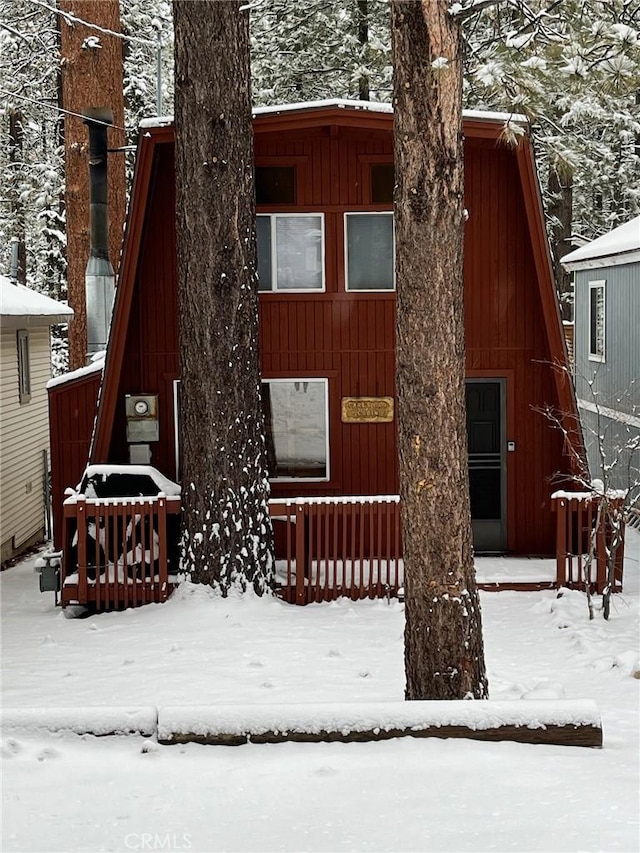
column 150, row 363
column 72, row 410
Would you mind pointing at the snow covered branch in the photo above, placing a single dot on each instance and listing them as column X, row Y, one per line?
column 72, row 19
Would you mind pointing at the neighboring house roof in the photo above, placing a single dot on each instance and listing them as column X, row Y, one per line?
column 620, row 246
column 22, row 306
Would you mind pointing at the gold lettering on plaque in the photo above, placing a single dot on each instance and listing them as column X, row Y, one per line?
column 367, row 410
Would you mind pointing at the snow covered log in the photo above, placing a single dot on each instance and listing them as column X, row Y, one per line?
column 560, row 722
column 571, row 722
column 98, row 721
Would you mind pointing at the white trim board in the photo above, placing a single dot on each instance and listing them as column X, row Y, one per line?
column 612, row 414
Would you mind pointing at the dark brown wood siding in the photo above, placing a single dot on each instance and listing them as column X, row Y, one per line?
column 348, row 338
column 150, row 364
column 72, row 410
column 506, row 336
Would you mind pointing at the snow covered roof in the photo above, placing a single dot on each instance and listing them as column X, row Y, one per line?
column 96, row 364
column 23, row 306
column 620, row 246
column 341, row 103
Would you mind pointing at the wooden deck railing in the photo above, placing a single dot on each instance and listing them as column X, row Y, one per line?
column 119, row 552
column 576, row 519
column 123, row 552
column 332, row 547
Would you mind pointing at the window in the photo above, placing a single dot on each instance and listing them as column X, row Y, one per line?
column 275, row 185
column 24, row 370
column 369, row 251
column 290, row 251
column 596, row 321
column 297, row 428
column 382, row 182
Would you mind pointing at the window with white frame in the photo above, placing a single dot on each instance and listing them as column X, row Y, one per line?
column 24, row 368
column 296, row 414
column 597, row 320
column 290, row 251
column 369, row 251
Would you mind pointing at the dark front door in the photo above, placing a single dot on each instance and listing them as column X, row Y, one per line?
column 485, row 434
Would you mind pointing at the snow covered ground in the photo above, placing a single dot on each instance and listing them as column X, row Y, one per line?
column 69, row 793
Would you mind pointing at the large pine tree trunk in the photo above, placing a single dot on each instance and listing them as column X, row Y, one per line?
column 561, row 214
column 90, row 77
column 444, row 656
column 227, row 532
column 16, row 155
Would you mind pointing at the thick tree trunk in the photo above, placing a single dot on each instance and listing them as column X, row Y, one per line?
column 561, row 213
column 16, row 160
column 91, row 77
column 444, row 656
column 227, row 532
column 363, row 37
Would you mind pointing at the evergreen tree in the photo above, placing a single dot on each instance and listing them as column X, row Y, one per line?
column 320, row 49
column 574, row 69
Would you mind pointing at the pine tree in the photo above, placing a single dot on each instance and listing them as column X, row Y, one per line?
column 444, row 656
column 227, row 539
column 574, row 69
column 320, row 49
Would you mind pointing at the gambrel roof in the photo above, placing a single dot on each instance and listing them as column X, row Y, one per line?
column 489, row 126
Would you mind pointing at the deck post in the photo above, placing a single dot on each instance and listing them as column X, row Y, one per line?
column 300, row 554
column 560, row 506
column 162, row 537
column 81, row 568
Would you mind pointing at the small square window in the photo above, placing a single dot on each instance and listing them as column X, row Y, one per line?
column 369, row 251
column 296, row 418
column 597, row 320
column 382, row 183
column 290, row 251
column 275, row 185
column 24, row 368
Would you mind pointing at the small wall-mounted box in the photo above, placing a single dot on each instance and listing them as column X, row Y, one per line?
column 142, row 418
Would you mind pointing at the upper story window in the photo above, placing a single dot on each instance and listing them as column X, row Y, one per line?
column 597, row 320
column 290, row 251
column 369, row 250
column 275, row 184
column 382, row 180
column 296, row 414
column 24, row 368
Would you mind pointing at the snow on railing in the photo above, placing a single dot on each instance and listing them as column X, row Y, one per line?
column 331, row 547
column 119, row 552
column 582, row 545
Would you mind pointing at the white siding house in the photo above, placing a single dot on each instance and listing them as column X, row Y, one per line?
column 607, row 350
column 26, row 317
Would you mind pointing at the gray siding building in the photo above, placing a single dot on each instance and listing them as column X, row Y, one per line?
column 607, row 351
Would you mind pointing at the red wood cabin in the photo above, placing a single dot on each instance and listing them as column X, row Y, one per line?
column 324, row 178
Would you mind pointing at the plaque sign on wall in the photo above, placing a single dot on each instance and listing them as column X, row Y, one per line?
column 367, row 410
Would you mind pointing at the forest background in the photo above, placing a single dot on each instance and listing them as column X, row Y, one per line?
column 571, row 66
